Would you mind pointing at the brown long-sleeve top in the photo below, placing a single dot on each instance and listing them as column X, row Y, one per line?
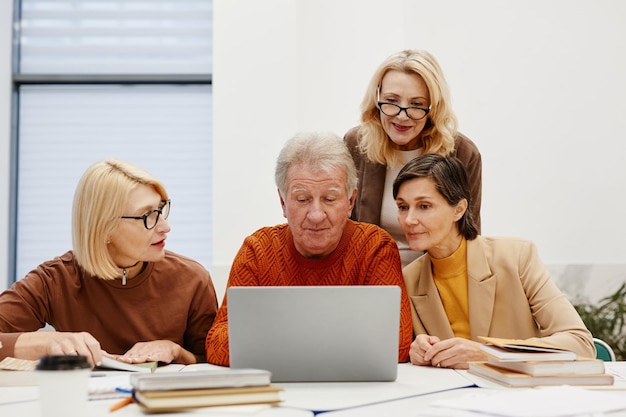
column 173, row 299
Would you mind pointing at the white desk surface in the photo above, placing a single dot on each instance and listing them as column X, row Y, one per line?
column 412, row 380
column 299, row 399
column 426, row 405
column 412, row 394
column 100, row 408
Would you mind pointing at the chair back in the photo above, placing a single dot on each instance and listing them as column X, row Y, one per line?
column 603, row 350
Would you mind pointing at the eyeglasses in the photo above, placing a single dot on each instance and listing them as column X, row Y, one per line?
column 151, row 218
column 415, row 113
column 392, row 110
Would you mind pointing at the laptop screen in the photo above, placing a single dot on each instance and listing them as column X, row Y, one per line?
column 316, row 333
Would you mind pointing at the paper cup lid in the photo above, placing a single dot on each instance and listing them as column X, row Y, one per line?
column 62, row 363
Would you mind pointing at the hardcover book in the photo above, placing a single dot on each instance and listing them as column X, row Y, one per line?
column 153, row 401
column 581, row 366
column 524, row 350
column 210, row 378
column 518, row 379
column 115, row 365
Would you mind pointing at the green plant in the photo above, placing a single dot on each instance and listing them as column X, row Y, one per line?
column 606, row 318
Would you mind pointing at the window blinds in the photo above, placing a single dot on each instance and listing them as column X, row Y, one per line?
column 62, row 129
column 116, row 36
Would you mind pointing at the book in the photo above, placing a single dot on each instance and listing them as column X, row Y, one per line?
column 113, row 364
column 209, row 378
column 21, row 372
column 521, row 380
column 524, row 350
column 580, row 366
column 158, row 401
column 15, row 364
column 9, row 378
column 17, row 372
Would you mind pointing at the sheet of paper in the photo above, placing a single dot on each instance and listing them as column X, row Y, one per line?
column 176, row 367
column 14, row 364
column 105, row 387
column 617, row 369
column 539, row 402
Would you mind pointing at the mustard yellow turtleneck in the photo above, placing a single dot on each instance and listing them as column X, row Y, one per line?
column 450, row 276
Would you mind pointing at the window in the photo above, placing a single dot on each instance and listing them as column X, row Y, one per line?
column 111, row 78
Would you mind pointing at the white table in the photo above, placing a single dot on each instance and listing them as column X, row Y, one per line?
column 299, row 399
column 426, row 405
column 412, row 380
column 100, row 408
column 412, row 394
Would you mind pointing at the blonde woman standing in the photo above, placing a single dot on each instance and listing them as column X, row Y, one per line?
column 406, row 112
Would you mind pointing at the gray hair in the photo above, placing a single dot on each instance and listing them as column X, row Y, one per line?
column 320, row 150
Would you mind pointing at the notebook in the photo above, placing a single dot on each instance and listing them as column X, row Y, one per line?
column 316, row 333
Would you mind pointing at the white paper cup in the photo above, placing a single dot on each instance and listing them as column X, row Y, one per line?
column 63, row 385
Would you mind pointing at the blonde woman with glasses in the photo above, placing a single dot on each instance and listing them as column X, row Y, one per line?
column 118, row 293
column 406, row 112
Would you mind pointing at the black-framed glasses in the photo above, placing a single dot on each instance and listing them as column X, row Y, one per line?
column 392, row 110
column 415, row 113
column 151, row 218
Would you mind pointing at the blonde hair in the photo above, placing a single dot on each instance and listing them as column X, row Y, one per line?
column 99, row 202
column 440, row 130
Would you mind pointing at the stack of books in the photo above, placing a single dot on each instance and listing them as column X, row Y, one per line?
column 523, row 363
column 157, row 392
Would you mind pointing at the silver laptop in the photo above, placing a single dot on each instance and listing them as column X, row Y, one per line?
column 316, row 333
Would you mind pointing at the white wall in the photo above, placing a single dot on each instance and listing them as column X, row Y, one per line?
column 539, row 85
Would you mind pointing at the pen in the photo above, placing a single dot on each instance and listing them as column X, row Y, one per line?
column 123, row 403
column 123, row 390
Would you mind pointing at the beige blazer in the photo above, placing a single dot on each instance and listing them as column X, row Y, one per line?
column 510, row 294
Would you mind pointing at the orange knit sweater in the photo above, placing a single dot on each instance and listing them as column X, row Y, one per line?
column 366, row 255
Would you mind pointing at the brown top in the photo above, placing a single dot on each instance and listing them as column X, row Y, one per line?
column 173, row 299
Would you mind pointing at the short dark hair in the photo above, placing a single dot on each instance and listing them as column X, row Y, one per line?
column 450, row 178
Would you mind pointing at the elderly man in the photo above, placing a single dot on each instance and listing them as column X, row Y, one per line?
column 318, row 245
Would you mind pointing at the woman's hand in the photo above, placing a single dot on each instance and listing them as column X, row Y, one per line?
column 164, row 351
column 33, row 345
column 454, row 353
column 419, row 347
